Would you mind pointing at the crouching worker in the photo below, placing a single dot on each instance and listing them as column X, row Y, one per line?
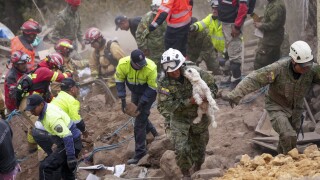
column 65, row 135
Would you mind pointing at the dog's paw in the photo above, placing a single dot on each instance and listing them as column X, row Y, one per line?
column 196, row 120
column 214, row 124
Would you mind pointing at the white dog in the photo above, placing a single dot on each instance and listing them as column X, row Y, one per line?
column 200, row 91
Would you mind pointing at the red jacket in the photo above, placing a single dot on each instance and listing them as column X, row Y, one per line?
column 233, row 11
column 9, row 85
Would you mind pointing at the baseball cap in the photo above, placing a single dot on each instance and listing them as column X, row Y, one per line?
column 33, row 101
column 68, row 83
column 138, row 60
column 118, row 20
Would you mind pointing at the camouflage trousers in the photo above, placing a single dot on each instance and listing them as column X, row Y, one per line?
column 287, row 130
column 189, row 140
column 266, row 55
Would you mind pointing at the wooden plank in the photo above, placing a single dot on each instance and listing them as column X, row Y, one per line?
column 309, row 137
column 264, row 126
column 267, row 145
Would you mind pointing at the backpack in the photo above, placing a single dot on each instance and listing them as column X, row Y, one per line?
column 109, row 55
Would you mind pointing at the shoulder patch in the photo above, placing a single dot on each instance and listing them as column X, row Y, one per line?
column 164, row 91
column 270, row 76
column 58, row 128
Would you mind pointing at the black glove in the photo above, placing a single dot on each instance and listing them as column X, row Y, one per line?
column 193, row 28
column 151, row 28
column 3, row 116
column 231, row 101
column 123, row 105
column 72, row 163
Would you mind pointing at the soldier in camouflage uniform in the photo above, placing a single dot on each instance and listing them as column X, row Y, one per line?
column 151, row 43
column 68, row 25
column 289, row 80
column 176, row 104
column 200, row 49
column 272, row 27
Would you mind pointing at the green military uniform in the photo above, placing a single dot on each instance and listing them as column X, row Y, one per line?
column 151, row 42
column 200, row 49
column 189, row 139
column 284, row 100
column 273, row 33
column 67, row 25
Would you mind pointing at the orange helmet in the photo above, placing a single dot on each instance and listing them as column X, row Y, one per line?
column 55, row 60
column 19, row 57
column 64, row 47
column 74, row 2
column 91, row 35
column 31, row 27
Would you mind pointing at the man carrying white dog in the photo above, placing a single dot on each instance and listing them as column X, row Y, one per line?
column 176, row 104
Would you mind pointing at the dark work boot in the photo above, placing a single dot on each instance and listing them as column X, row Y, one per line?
column 133, row 161
column 234, row 83
column 154, row 132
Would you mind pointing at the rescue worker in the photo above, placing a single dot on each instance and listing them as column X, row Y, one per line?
column 212, row 24
column 29, row 29
column 151, row 43
column 65, row 135
column 38, row 82
column 178, row 107
column 232, row 14
column 105, row 56
column 289, row 81
column 2, row 107
column 178, row 14
column 66, row 100
column 126, row 24
column 272, row 27
column 9, row 166
column 19, row 61
column 139, row 74
column 68, row 25
column 201, row 49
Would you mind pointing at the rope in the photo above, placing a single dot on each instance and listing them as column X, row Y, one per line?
column 131, row 119
column 13, row 113
column 261, row 91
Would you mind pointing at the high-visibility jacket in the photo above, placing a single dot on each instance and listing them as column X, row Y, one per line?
column 69, row 105
column 215, row 31
column 142, row 82
column 58, row 123
column 17, row 44
column 179, row 12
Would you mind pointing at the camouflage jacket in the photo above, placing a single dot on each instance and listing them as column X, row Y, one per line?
column 151, row 41
column 200, row 47
column 273, row 23
column 285, row 93
column 67, row 25
column 174, row 96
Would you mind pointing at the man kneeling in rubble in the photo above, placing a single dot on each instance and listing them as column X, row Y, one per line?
column 289, row 81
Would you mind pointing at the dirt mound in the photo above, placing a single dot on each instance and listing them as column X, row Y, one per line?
column 291, row 166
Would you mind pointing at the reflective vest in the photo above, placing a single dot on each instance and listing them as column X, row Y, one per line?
column 215, row 31
column 16, row 44
column 179, row 12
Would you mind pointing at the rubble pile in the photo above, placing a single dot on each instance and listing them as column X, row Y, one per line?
column 281, row 167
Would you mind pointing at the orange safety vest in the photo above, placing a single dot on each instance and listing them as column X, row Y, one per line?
column 16, row 44
column 179, row 12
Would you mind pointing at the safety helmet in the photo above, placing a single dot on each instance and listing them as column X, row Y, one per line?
column 91, row 35
column 213, row 3
column 19, row 57
column 172, row 60
column 64, row 47
column 74, row 2
column 155, row 5
column 31, row 27
column 300, row 52
column 55, row 60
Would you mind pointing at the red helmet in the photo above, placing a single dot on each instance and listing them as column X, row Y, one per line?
column 55, row 60
column 91, row 35
column 19, row 57
column 31, row 27
column 74, row 2
column 64, row 47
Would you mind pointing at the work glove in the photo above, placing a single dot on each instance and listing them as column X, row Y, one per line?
column 85, row 134
column 235, row 32
column 232, row 101
column 151, row 28
column 3, row 116
column 123, row 105
column 72, row 163
column 193, row 28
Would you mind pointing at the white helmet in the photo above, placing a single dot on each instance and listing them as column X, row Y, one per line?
column 156, row 3
column 213, row 3
column 172, row 60
column 300, row 52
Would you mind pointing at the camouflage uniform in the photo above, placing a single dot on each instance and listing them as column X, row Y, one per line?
column 273, row 33
column 67, row 25
column 200, row 48
column 189, row 139
column 284, row 100
column 285, row 46
column 151, row 43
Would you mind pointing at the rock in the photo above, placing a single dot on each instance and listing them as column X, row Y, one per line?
column 130, row 150
column 316, row 89
column 212, row 162
column 207, row 173
column 111, row 177
column 317, row 117
column 132, row 171
column 250, row 120
column 144, row 161
column 308, row 126
column 106, row 158
column 294, row 153
column 169, row 166
column 156, row 173
column 245, row 160
column 258, row 161
column 311, row 151
column 267, row 157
